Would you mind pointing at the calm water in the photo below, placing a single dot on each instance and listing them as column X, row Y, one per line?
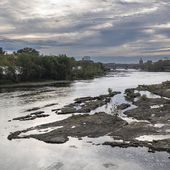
column 75, row 154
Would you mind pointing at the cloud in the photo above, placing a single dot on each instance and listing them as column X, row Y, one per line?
column 94, row 27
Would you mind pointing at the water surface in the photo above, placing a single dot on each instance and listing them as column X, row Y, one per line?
column 75, row 154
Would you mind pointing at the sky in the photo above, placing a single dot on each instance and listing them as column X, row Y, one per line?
column 87, row 27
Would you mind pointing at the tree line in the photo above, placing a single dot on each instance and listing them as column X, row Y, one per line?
column 159, row 66
column 28, row 64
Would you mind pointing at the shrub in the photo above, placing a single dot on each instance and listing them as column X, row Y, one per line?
column 110, row 91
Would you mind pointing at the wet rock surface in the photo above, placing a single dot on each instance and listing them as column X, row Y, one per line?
column 55, row 140
column 32, row 116
column 152, row 111
column 157, row 115
column 97, row 125
column 86, row 104
column 38, row 108
column 160, row 145
column 33, row 109
column 162, row 89
column 123, row 106
column 155, row 110
column 130, row 94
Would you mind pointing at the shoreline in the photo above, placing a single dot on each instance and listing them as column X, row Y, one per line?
column 35, row 84
column 42, row 83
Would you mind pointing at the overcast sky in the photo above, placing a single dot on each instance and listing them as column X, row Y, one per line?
column 87, row 27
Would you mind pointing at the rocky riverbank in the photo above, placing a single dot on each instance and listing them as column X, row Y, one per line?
column 150, row 128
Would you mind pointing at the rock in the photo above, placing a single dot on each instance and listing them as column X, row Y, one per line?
column 49, row 105
column 154, row 115
column 95, row 125
column 131, row 95
column 98, row 125
column 41, row 116
column 38, row 108
column 123, row 106
column 109, row 165
column 33, row 109
column 37, row 113
column 162, row 89
column 32, row 116
column 101, row 124
column 151, row 150
column 86, row 104
column 56, row 140
column 55, row 110
column 91, row 106
column 121, row 144
column 67, row 110
column 83, row 99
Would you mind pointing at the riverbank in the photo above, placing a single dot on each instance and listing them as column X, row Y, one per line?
column 34, row 84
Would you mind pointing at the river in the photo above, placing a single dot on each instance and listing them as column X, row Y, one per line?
column 31, row 154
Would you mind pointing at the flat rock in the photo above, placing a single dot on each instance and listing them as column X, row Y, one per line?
column 32, row 116
column 123, row 106
column 56, row 140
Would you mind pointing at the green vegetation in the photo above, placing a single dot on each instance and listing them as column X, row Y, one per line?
column 159, row 66
column 28, row 65
column 110, row 91
column 87, row 69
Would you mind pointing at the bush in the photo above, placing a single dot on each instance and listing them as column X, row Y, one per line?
column 110, row 91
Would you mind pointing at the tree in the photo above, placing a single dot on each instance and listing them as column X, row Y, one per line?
column 11, row 74
column 28, row 65
column 2, row 52
column 1, row 73
column 29, row 51
column 110, row 91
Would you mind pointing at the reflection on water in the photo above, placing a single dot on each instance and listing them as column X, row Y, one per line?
column 75, row 154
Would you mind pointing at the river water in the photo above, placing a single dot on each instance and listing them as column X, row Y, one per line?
column 31, row 154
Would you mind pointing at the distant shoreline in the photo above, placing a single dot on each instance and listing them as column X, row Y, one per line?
column 34, row 84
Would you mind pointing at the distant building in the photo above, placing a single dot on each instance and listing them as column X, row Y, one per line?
column 141, row 61
column 86, row 58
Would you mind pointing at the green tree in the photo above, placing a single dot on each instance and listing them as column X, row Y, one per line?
column 2, row 52
column 29, row 51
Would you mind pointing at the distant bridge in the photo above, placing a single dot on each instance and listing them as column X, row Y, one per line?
column 114, row 66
